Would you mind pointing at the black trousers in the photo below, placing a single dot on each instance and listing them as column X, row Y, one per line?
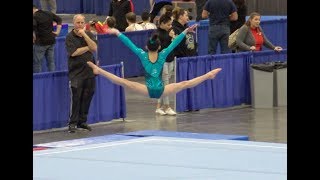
column 156, row 9
column 82, row 92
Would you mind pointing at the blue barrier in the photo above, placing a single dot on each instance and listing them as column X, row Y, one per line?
column 51, row 99
column 112, row 51
column 231, row 87
column 64, row 29
column 98, row 7
column 263, row 18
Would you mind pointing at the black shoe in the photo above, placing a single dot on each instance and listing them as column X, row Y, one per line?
column 84, row 126
column 188, row 110
column 72, row 129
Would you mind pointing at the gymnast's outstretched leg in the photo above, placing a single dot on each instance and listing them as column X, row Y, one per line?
column 134, row 86
column 174, row 88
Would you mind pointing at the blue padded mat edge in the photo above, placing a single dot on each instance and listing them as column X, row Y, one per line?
column 146, row 133
column 139, row 134
column 86, row 141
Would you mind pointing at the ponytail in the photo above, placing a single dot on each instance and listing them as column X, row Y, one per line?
column 153, row 42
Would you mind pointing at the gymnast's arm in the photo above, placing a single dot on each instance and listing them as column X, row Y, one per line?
column 126, row 41
column 177, row 40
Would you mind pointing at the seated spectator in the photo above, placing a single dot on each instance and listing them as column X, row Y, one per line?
column 96, row 27
column 131, row 20
column 146, row 24
column 251, row 37
column 111, row 22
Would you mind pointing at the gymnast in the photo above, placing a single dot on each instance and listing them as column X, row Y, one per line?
column 153, row 61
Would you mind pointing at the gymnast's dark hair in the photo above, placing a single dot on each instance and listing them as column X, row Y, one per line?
column 153, row 42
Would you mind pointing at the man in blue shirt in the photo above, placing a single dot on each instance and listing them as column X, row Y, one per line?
column 220, row 13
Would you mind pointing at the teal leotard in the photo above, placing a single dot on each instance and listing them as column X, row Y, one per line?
column 153, row 71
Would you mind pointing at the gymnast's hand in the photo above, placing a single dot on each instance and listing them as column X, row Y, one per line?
column 94, row 67
column 191, row 28
column 113, row 31
column 172, row 34
column 278, row 48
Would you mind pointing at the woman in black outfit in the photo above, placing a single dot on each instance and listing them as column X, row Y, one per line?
column 242, row 13
column 119, row 9
column 242, row 10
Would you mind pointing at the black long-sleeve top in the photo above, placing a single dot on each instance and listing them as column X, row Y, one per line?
column 188, row 46
column 242, row 13
column 165, row 40
column 119, row 9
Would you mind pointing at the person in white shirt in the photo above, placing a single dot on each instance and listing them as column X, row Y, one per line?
column 146, row 24
column 133, row 26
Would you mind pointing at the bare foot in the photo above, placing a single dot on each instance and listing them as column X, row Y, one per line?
column 94, row 67
column 212, row 74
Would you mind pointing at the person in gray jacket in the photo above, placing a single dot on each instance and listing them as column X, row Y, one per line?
column 251, row 37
